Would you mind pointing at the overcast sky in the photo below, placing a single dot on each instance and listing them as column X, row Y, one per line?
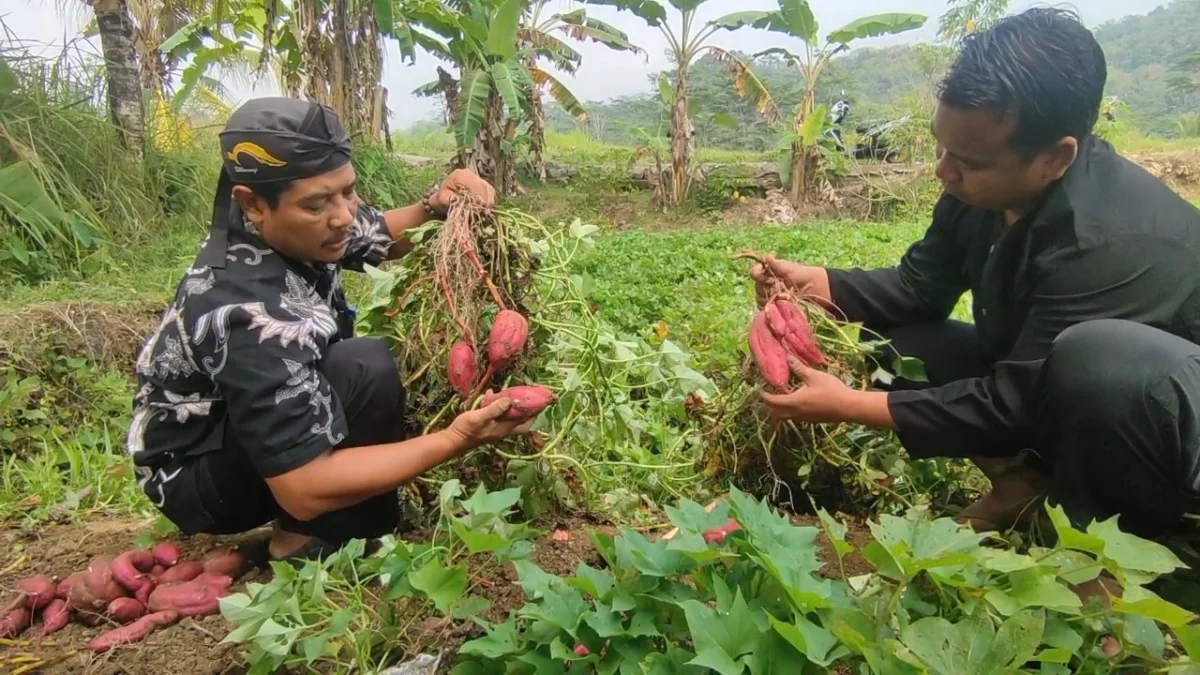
column 604, row 73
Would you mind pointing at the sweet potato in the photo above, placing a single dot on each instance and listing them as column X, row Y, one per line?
column 166, row 554
column 227, row 561
column 184, row 571
column 462, row 368
column 800, row 340
column 527, row 401
column 55, row 617
column 142, row 594
column 138, row 630
column 157, row 571
column 126, row 610
column 97, row 587
column 127, row 571
column 191, row 598
column 719, row 532
column 64, row 587
column 507, row 338
column 769, row 354
column 33, row 593
column 775, row 320
column 15, row 622
column 218, row 582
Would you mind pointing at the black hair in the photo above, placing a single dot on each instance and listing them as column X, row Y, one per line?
column 269, row 192
column 1042, row 65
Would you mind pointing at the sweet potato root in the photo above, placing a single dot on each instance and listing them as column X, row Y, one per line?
column 138, row 630
column 54, row 617
column 217, row 582
column 63, row 589
column 33, row 593
column 166, row 554
column 226, row 561
column 462, row 368
column 129, row 573
column 507, row 338
column 14, row 622
column 96, row 588
column 126, row 610
column 191, row 598
column 527, row 401
column 769, row 354
column 184, row 571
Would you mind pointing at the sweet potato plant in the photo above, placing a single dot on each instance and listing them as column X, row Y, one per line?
column 739, row 589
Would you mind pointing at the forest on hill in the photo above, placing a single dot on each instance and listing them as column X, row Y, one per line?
column 1144, row 53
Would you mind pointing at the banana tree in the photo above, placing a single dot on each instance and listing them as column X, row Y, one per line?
column 538, row 42
column 686, row 41
column 795, row 18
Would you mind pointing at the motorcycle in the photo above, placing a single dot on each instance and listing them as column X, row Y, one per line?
column 872, row 136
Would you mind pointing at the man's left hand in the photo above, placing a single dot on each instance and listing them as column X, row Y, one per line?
column 821, row 397
column 462, row 180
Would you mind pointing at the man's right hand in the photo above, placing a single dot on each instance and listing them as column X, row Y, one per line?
column 483, row 425
column 805, row 280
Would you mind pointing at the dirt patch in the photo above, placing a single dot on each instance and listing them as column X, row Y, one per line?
column 1178, row 169
column 104, row 333
column 189, row 647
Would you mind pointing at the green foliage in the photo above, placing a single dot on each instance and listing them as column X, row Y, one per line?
column 385, row 181
column 348, row 611
column 738, row 589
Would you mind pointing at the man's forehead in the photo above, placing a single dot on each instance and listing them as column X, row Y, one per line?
column 971, row 132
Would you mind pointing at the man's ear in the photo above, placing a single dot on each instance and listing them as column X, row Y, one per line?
column 251, row 204
column 1060, row 158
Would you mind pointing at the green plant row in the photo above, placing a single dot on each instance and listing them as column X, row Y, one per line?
column 736, row 589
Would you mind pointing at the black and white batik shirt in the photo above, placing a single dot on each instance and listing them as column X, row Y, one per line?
column 237, row 351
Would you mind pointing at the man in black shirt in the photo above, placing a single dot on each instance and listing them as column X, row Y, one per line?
column 1085, row 279
column 255, row 402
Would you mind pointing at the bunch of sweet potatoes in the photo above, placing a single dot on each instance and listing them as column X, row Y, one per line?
column 781, row 329
column 139, row 590
column 506, row 341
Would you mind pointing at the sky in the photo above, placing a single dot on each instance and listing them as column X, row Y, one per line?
column 604, row 73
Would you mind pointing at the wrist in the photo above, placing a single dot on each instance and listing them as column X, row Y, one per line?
column 458, row 441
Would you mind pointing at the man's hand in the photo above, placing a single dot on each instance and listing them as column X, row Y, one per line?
column 804, row 280
column 462, row 180
column 483, row 425
column 821, row 397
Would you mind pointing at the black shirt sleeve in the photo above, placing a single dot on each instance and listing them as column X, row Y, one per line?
column 369, row 239
column 924, row 287
column 279, row 404
column 1138, row 279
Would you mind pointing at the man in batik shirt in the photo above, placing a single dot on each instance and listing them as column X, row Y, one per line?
column 255, row 402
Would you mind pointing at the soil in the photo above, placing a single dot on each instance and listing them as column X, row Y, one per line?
column 192, row 647
column 104, row 333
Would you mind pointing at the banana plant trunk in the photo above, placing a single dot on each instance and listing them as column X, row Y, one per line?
column 681, row 139
column 495, row 163
column 537, row 133
column 125, row 101
column 798, row 189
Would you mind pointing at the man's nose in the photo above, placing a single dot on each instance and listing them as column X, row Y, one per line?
column 943, row 168
column 343, row 215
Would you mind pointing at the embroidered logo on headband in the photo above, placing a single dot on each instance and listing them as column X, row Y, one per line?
column 255, row 151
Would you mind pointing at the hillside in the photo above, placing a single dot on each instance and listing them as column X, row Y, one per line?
column 1142, row 51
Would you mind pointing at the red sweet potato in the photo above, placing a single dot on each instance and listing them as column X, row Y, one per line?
column 55, row 617
column 128, row 572
column 184, row 571
column 462, row 368
column 227, row 561
column 191, row 598
column 14, row 622
column 33, row 593
column 97, row 587
column 138, row 630
column 142, row 594
column 507, row 338
column 157, row 571
column 719, row 532
column 769, row 354
column 527, row 401
column 775, row 320
column 126, row 610
column 800, row 339
column 166, row 554
column 218, row 582
column 64, row 587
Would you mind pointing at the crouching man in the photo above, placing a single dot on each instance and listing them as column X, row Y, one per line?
column 255, row 402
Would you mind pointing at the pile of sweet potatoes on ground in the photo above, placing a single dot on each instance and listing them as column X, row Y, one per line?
column 139, row 590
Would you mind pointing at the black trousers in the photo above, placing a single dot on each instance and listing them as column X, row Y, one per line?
column 234, row 498
column 1115, row 418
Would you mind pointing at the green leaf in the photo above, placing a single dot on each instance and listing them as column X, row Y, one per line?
column 947, row 648
column 876, row 25
column 813, row 641
column 472, row 102
column 506, row 85
column 502, row 33
column 1019, row 637
column 472, row 606
column 652, row 558
column 500, row 641
column 799, row 20
column 721, row 637
column 8, row 79
column 688, row 515
column 594, row 582
column 1132, row 552
column 477, row 541
column 835, row 532
column 384, row 17
column 749, row 19
column 1038, row 587
column 918, row 543
column 910, row 367
column 559, row 92
column 1142, row 602
column 648, row 10
column 444, row 586
column 492, row 504
column 604, row 622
